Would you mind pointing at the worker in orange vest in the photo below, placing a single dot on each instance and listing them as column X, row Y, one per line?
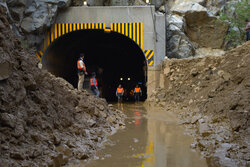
column 137, row 93
column 94, row 85
column 81, row 71
column 119, row 93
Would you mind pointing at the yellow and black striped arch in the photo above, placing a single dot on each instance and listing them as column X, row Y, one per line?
column 133, row 31
column 149, row 54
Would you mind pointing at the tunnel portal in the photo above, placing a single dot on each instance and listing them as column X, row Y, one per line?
column 115, row 58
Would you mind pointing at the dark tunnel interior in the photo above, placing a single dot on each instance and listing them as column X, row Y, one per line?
column 115, row 58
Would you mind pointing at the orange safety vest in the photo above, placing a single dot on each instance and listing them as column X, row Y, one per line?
column 137, row 90
column 78, row 64
column 92, row 82
column 119, row 90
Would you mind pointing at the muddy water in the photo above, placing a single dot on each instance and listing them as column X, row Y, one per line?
column 152, row 138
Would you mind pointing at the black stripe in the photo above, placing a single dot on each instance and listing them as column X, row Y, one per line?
column 150, row 53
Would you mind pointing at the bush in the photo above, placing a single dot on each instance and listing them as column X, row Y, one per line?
column 235, row 14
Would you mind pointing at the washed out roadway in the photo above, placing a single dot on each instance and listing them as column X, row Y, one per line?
column 152, row 138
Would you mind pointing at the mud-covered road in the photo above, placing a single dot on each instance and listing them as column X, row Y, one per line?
column 152, row 138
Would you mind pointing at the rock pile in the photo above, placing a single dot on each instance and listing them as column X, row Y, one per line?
column 44, row 121
column 211, row 96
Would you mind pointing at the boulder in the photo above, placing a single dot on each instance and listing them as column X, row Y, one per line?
column 187, row 7
column 205, row 30
column 178, row 45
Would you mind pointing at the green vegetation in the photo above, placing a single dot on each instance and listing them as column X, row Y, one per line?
column 235, row 14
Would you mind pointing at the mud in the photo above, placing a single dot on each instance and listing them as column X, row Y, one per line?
column 44, row 121
column 212, row 97
column 152, row 138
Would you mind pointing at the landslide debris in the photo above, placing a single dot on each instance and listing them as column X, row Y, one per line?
column 44, row 121
column 212, row 98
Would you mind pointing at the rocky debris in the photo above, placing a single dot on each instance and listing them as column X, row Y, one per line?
column 211, row 96
column 44, row 121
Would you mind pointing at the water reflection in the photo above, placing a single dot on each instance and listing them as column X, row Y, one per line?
column 152, row 138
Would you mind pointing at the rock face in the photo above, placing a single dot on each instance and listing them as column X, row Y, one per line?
column 34, row 16
column 205, row 30
column 197, row 28
column 212, row 94
column 178, row 45
column 44, row 121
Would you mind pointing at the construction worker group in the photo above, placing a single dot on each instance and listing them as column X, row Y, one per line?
column 82, row 71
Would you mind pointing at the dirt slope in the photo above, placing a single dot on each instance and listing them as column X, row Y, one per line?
column 212, row 97
column 44, row 121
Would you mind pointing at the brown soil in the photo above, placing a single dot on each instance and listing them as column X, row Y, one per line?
column 44, row 121
column 212, row 98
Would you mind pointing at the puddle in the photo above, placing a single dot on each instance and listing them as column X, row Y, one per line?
column 152, row 138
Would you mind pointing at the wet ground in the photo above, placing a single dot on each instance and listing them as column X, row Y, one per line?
column 152, row 138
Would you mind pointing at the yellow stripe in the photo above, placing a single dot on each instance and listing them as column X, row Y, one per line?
column 138, row 33
column 41, row 53
column 123, row 28
column 149, row 57
column 59, row 30
column 81, row 26
column 85, row 26
column 134, row 32
column 55, row 31
column 70, row 27
column 67, row 27
column 103, row 25
column 48, row 38
column 142, row 36
column 37, row 55
column 147, row 52
column 111, row 27
column 130, row 30
column 93, row 26
column 96, row 26
column 77, row 26
column 151, row 63
column 126, row 29
column 89, row 26
column 63, row 29
column 74, row 26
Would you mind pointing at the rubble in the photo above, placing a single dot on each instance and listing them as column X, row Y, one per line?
column 44, row 121
column 211, row 96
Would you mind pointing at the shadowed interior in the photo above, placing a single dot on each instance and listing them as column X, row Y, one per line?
column 115, row 58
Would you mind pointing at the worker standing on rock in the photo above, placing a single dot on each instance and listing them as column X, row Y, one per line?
column 119, row 93
column 137, row 93
column 81, row 71
column 94, row 85
column 247, row 30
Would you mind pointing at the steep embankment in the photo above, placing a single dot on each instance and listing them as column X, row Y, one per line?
column 44, row 121
column 212, row 97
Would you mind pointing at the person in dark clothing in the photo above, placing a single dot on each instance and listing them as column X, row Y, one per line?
column 137, row 93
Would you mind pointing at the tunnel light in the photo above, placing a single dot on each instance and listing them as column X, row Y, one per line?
column 85, row 3
column 128, row 79
column 121, row 79
column 147, row 1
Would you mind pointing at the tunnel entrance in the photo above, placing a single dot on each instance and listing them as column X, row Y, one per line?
column 115, row 58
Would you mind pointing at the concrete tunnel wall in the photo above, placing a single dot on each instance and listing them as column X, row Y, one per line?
column 111, row 55
column 153, row 29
